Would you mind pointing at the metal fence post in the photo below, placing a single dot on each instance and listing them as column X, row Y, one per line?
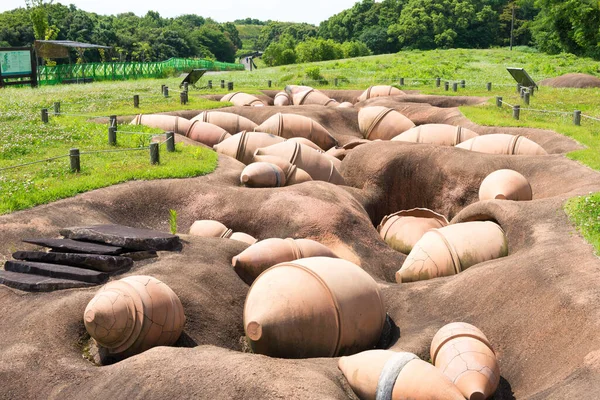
column 499, row 101
column 210, row 84
column 516, row 112
column 401, row 81
column 230, row 86
column 45, row 115
column 113, row 121
column 154, row 156
column 136, row 101
column 489, row 86
column 446, row 86
column 438, row 81
column 222, row 84
column 269, row 83
column 166, row 92
column 455, row 87
column 463, row 84
column 112, row 135
column 75, row 160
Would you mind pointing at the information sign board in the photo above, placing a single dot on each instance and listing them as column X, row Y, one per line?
column 15, row 62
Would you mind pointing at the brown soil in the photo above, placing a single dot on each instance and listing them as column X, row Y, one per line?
column 539, row 306
column 580, row 81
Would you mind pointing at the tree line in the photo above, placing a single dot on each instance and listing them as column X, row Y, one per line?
column 133, row 38
column 368, row 27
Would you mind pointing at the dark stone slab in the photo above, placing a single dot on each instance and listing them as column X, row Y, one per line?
column 75, row 246
column 125, row 236
column 38, row 283
column 57, row 271
column 97, row 262
column 140, row 255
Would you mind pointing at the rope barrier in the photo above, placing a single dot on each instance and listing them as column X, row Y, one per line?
column 114, row 151
column 547, row 111
column 590, row 117
column 33, row 162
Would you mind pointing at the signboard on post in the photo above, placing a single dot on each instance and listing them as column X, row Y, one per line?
column 15, row 63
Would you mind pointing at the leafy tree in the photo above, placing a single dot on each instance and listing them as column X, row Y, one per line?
column 355, row 49
column 318, row 50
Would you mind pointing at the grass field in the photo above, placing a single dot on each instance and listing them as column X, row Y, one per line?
column 248, row 35
column 24, row 138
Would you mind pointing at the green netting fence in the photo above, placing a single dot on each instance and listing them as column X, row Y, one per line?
column 125, row 70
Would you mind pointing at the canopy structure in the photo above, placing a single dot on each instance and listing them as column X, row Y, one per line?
column 60, row 48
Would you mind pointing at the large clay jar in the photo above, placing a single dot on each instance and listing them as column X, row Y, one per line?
column 243, row 99
column 439, row 134
column 382, row 123
column 313, row 97
column 505, row 184
column 402, row 230
column 502, row 143
column 263, row 174
column 206, row 133
column 390, row 375
column 291, row 90
column 452, row 249
column 168, row 123
column 282, row 99
column 253, row 261
column 466, row 356
column 379, row 91
column 292, row 126
column 242, row 146
column 134, row 314
column 293, row 174
column 232, row 123
column 305, row 142
column 243, row 237
column 313, row 307
column 317, row 164
column 210, row 228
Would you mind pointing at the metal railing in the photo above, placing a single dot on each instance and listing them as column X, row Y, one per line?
column 74, row 73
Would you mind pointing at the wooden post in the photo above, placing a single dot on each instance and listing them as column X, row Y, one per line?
column 230, row 86
column 455, row 87
column 75, row 160
column 269, row 83
column 577, row 117
column 154, row 156
column 56, row 108
column 210, row 84
column 516, row 112
column 112, row 135
column 170, row 142
column 499, row 101
column 136, row 101
column 447, row 86
column 401, row 81
column 222, row 84
column 489, row 86
column 166, row 92
column 45, row 115
column 113, row 121
column 463, row 84
column 438, row 82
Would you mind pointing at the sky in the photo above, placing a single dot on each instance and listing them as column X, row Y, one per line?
column 311, row 11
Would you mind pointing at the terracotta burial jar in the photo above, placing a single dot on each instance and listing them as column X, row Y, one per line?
column 382, row 123
column 134, row 314
column 439, row 134
column 291, row 126
column 253, row 261
column 232, row 123
column 390, row 375
column 452, row 249
column 505, row 184
column 402, row 230
column 379, row 91
column 313, row 307
column 501, row 143
column 466, row 356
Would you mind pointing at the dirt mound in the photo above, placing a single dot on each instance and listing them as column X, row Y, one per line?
column 579, row 81
column 538, row 306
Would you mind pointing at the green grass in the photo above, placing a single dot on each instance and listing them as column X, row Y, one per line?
column 24, row 138
column 584, row 212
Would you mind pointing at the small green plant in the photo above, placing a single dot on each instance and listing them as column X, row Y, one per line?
column 313, row 73
column 173, row 221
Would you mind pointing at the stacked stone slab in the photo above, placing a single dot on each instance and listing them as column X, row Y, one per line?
column 87, row 256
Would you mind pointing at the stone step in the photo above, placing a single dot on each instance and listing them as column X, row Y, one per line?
column 125, row 236
column 38, row 283
column 75, row 246
column 56, row 271
column 96, row 262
